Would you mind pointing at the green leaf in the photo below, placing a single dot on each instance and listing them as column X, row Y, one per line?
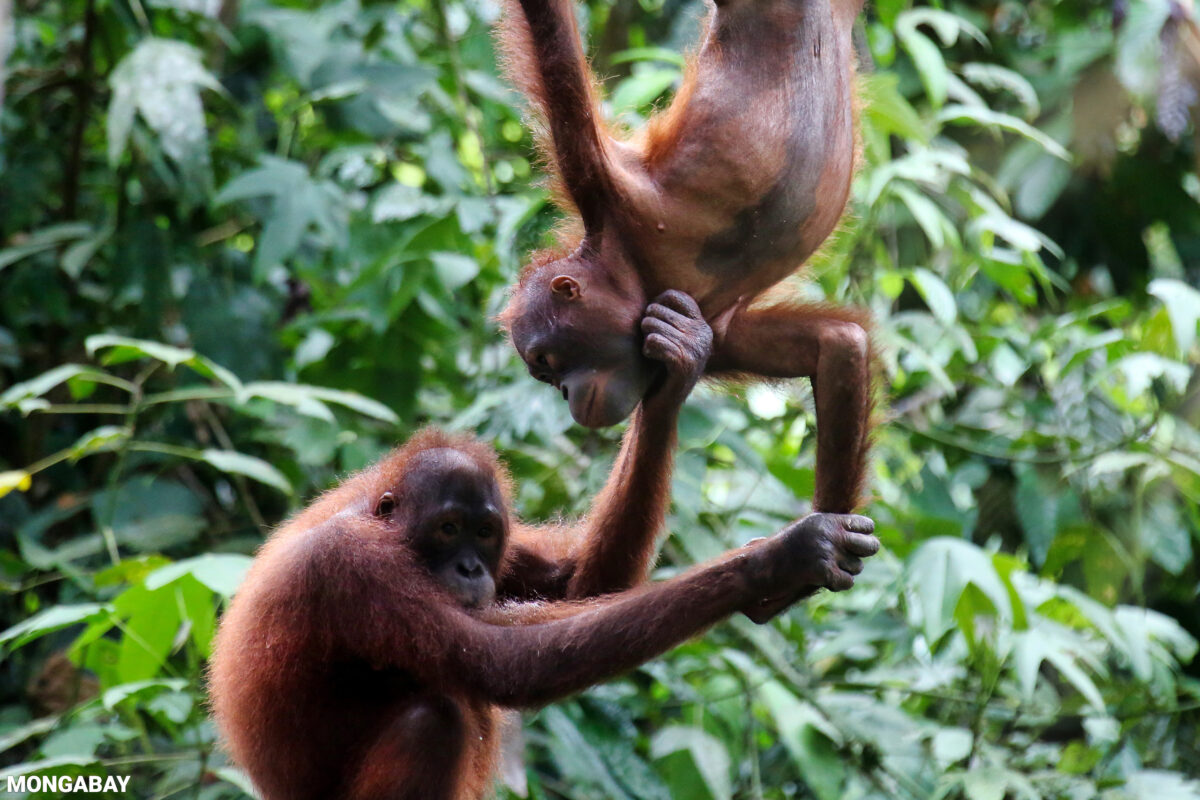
column 36, row 387
column 453, row 270
column 988, row 783
column 1183, row 308
column 298, row 397
column 989, row 118
column 940, row 570
column 397, row 202
column 951, row 745
column 644, row 87
column 125, row 349
column 998, row 77
column 77, row 256
column 947, row 25
column 648, row 54
column 1153, row 784
column 1049, row 642
column 160, row 80
column 47, row 238
column 930, row 64
column 888, row 110
column 927, row 214
column 299, row 205
column 937, row 295
column 304, row 396
column 578, row 760
column 22, row 733
column 104, row 439
column 220, row 572
column 118, row 694
column 809, row 738
column 1018, row 234
column 1142, row 369
column 707, row 756
column 254, row 468
column 52, row 619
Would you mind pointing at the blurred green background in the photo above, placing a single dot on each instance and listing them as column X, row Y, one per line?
column 246, row 247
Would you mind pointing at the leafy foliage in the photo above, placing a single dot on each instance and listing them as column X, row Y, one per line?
column 247, row 248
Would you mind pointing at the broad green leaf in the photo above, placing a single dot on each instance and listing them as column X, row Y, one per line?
column 36, row 387
column 123, row 348
column 160, row 80
column 1153, row 784
column 79, row 741
column 298, row 397
column 951, row 745
column 1018, row 234
column 236, row 463
column 150, row 627
column 310, row 399
column 940, row 570
column 104, row 439
column 397, row 202
column 355, row 402
column 985, row 784
column 999, row 77
column 1141, row 369
column 22, row 733
column 931, row 66
column 648, row 54
column 453, row 270
column 927, row 214
column 1047, row 642
column 888, row 110
column 579, row 762
column 50, row 620
column 947, row 25
column 220, row 572
column 809, row 738
column 42, row 240
column 120, row 693
column 706, row 754
column 1183, row 307
column 76, row 257
column 937, row 295
column 990, row 118
column 644, row 87
column 299, row 204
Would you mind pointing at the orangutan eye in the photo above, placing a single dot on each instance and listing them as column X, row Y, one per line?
column 449, row 529
column 485, row 532
column 387, row 504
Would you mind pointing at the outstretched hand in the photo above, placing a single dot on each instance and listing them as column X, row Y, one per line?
column 821, row 551
column 676, row 335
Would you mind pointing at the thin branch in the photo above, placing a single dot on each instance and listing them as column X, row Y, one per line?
column 83, row 102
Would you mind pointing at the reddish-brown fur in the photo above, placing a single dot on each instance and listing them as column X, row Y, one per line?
column 345, row 671
column 722, row 196
column 272, row 645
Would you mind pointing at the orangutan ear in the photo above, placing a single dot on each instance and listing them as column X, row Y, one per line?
column 566, row 287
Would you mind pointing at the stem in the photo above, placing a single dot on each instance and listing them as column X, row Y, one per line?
column 243, row 486
column 131, row 420
column 83, row 101
column 84, row 408
column 460, row 92
column 167, row 450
